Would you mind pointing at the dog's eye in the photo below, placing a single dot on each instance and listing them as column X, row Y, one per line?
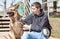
column 8, row 12
column 11, row 12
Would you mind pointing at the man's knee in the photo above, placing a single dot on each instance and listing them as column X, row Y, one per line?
column 25, row 35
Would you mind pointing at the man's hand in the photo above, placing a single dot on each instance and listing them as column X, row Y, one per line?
column 27, row 27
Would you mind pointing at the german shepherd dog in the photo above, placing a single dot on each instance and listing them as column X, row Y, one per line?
column 15, row 24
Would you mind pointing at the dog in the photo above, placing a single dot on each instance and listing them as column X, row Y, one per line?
column 15, row 25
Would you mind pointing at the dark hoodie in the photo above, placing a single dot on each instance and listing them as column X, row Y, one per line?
column 38, row 21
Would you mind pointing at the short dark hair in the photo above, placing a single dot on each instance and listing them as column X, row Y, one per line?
column 36, row 4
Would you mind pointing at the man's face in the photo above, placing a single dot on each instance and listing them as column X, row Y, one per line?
column 35, row 10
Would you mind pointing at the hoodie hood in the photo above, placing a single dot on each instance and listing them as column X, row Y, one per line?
column 41, row 14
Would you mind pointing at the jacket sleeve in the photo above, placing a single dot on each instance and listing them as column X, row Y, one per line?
column 28, row 20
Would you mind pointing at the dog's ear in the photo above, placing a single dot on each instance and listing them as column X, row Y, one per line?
column 11, row 9
column 16, row 7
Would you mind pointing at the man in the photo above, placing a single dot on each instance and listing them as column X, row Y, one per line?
column 38, row 20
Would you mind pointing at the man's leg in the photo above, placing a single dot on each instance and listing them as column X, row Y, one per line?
column 42, row 36
column 34, row 35
column 30, row 35
column 25, row 35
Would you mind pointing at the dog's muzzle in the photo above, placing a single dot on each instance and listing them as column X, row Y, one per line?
column 10, row 14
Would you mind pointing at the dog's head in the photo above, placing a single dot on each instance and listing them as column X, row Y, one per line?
column 13, row 13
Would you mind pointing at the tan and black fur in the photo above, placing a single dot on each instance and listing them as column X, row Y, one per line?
column 15, row 24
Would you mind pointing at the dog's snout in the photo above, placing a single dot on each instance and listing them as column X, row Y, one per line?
column 10, row 14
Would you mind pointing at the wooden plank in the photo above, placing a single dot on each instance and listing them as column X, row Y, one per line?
column 4, row 28
column 5, row 22
column 6, row 18
column 4, row 25
column 1, row 16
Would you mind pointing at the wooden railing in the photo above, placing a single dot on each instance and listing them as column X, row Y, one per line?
column 4, row 24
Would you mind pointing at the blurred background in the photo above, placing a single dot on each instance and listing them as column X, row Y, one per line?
column 51, row 7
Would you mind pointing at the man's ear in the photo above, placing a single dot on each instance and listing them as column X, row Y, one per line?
column 38, row 8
